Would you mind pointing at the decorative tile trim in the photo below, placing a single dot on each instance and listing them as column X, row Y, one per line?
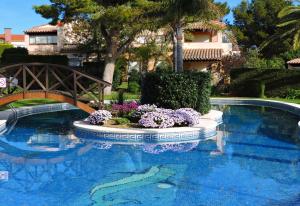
column 206, row 129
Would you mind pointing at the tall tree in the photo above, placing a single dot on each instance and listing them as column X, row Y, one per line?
column 290, row 22
column 118, row 22
column 178, row 13
column 256, row 21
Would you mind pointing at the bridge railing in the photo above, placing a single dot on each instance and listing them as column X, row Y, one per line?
column 29, row 77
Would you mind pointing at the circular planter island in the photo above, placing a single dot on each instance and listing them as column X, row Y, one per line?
column 206, row 129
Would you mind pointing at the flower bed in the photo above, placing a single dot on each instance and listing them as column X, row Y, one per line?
column 145, row 116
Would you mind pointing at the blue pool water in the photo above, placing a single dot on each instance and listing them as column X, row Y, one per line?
column 42, row 163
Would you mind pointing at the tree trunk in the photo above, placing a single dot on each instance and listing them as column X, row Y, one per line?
column 179, row 47
column 108, row 74
column 174, row 39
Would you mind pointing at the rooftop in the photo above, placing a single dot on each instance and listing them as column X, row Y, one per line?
column 14, row 37
column 202, row 54
column 294, row 61
column 46, row 28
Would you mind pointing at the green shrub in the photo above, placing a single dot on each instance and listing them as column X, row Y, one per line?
column 134, row 87
column 3, row 47
column 134, row 76
column 177, row 90
column 94, row 68
column 121, row 121
column 13, row 57
column 117, row 79
column 293, row 94
column 277, row 81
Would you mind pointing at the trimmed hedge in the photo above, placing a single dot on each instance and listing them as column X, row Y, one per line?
column 3, row 47
column 277, row 82
column 177, row 90
column 20, row 55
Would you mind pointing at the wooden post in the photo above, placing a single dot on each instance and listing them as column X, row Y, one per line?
column 24, row 82
column 47, row 80
column 100, row 93
column 75, row 88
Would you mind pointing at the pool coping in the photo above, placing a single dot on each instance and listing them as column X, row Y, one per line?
column 285, row 106
column 9, row 116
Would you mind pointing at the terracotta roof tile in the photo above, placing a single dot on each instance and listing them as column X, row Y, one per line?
column 294, row 61
column 46, row 28
column 202, row 54
column 15, row 37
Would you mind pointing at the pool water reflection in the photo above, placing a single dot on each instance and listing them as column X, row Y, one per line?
column 256, row 162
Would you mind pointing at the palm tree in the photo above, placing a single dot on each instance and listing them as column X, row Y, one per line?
column 290, row 21
column 289, row 18
column 178, row 13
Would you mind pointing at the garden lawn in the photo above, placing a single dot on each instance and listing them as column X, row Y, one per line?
column 28, row 102
column 127, row 96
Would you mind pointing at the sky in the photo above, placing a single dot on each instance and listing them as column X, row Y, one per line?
column 20, row 16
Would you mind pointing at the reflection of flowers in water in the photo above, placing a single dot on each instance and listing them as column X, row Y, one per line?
column 175, row 147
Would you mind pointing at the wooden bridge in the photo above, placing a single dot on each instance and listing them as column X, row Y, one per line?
column 51, row 81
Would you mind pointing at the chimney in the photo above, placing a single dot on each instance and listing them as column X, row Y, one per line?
column 7, row 35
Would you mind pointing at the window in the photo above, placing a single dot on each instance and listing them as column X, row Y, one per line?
column 51, row 39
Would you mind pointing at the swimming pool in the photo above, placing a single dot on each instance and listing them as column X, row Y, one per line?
column 43, row 163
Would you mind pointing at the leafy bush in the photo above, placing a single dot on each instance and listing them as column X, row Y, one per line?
column 94, row 68
column 3, row 47
column 20, row 55
column 117, row 80
column 121, row 121
column 134, row 76
column 177, row 90
column 293, row 94
column 134, row 87
column 277, row 82
column 254, row 60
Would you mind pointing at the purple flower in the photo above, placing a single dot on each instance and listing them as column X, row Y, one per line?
column 125, row 108
column 191, row 116
column 141, row 110
column 156, row 120
column 98, row 117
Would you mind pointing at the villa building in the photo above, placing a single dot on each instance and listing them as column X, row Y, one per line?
column 17, row 40
column 294, row 64
column 204, row 45
column 51, row 40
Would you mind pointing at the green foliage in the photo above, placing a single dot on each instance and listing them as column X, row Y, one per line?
column 290, row 23
column 20, row 58
column 121, row 96
column 289, row 55
column 117, row 80
column 293, row 94
column 134, row 76
column 256, row 22
column 134, row 87
column 177, row 90
column 94, row 68
column 255, row 60
column 277, row 81
column 121, row 121
column 3, row 47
